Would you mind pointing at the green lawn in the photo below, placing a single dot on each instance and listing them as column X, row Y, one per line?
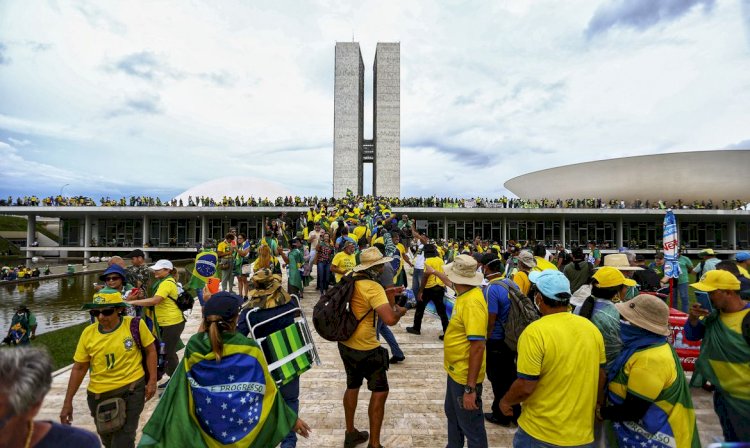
column 19, row 224
column 61, row 344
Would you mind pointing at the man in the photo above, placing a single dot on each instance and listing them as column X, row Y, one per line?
column 361, row 354
column 386, row 281
column 313, row 238
column 707, row 264
column 226, row 252
column 743, row 263
column 501, row 360
column 526, row 262
column 560, row 371
column 464, row 353
column 432, row 289
column 417, row 250
column 658, row 265
column 22, row 327
column 344, row 261
column 647, row 279
column 595, row 255
column 138, row 274
column 724, row 351
column 404, row 223
column 686, row 267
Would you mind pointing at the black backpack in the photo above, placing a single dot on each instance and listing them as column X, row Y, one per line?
column 185, row 301
column 333, row 317
column 161, row 365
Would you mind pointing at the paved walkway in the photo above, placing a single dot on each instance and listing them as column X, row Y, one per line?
column 414, row 411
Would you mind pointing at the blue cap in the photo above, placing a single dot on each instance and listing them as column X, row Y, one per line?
column 742, row 256
column 550, row 283
column 224, row 304
column 114, row 269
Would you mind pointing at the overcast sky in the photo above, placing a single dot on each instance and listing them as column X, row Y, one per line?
column 120, row 98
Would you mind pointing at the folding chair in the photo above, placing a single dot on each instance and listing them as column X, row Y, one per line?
column 289, row 352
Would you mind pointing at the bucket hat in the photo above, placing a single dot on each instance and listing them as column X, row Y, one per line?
column 370, row 257
column 620, row 261
column 648, row 312
column 114, row 269
column 463, row 271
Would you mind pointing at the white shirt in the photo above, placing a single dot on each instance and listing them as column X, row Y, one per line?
column 419, row 257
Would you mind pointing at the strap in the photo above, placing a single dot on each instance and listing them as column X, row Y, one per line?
column 135, row 331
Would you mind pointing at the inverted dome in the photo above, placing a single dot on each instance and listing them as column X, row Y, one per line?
column 235, row 186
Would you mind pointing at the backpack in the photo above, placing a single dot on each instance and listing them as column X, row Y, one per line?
column 184, row 300
column 522, row 312
column 333, row 317
column 161, row 365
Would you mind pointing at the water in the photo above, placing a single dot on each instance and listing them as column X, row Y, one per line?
column 56, row 302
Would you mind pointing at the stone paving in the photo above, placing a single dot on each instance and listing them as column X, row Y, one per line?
column 414, row 411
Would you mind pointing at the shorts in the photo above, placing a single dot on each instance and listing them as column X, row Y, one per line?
column 369, row 364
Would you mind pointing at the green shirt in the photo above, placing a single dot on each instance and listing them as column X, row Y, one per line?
column 685, row 266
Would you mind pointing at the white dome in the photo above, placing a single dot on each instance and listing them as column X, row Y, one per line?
column 235, row 186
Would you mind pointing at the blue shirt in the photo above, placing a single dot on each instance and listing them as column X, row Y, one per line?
column 498, row 303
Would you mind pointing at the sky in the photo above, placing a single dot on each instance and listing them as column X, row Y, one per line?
column 151, row 98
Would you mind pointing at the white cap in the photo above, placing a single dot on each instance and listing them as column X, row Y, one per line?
column 162, row 264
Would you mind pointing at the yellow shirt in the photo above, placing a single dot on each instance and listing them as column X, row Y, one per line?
column 224, row 247
column 367, row 296
column 743, row 271
column 521, row 279
column 344, row 261
column 359, row 232
column 435, row 263
column 167, row 312
column 468, row 323
column 563, row 353
column 114, row 358
column 378, row 240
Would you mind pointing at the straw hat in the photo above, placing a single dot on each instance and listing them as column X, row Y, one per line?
column 648, row 312
column 620, row 261
column 370, row 257
column 463, row 271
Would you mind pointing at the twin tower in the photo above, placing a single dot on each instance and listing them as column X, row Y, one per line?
column 350, row 149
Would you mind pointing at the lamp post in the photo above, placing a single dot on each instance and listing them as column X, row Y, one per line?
column 61, row 189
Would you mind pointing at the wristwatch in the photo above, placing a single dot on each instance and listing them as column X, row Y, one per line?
column 469, row 389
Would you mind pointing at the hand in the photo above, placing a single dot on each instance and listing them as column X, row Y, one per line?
column 419, row 296
column 696, row 312
column 401, row 310
column 66, row 414
column 302, row 428
column 470, row 401
column 598, row 413
column 505, row 408
column 150, row 390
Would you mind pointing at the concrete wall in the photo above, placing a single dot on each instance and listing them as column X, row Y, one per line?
column 348, row 119
column 387, row 119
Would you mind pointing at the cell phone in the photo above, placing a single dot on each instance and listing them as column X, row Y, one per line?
column 704, row 300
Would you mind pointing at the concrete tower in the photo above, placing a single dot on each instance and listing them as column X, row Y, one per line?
column 350, row 150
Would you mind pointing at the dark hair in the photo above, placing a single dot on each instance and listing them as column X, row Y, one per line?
column 604, row 293
column 229, row 237
column 563, row 300
column 380, row 246
column 540, row 250
column 578, row 253
column 494, row 265
column 215, row 325
column 728, row 266
column 244, row 237
column 430, row 250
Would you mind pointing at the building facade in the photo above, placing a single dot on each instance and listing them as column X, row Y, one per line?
column 350, row 149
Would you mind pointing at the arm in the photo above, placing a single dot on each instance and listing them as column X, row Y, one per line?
column 152, row 301
column 694, row 328
column 151, row 358
column 476, row 356
column 519, row 391
column 441, row 275
column 422, row 284
column 600, row 394
column 74, row 382
column 388, row 316
column 416, row 233
column 284, row 257
column 492, row 317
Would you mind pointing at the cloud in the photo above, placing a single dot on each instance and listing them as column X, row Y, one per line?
column 4, row 59
column 98, row 18
column 143, row 104
column 19, row 143
column 744, row 144
column 48, row 129
column 145, row 65
column 640, row 14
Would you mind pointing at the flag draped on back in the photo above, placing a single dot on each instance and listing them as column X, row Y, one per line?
column 232, row 403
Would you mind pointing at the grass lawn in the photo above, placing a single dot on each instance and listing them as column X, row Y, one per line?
column 19, row 224
column 61, row 344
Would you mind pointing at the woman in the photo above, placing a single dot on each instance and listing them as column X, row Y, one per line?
column 431, row 289
column 266, row 261
column 115, row 278
column 110, row 352
column 323, row 258
column 190, row 411
column 167, row 317
column 25, row 378
column 243, row 249
column 648, row 372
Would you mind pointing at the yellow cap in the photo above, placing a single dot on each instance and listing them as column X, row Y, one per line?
column 608, row 276
column 717, row 279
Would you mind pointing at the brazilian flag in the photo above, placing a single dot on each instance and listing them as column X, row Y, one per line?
column 205, row 265
column 230, row 403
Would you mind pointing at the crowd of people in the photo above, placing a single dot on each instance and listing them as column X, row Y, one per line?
column 427, row 202
column 21, row 272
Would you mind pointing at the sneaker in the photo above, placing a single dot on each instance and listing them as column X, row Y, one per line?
column 396, row 359
column 490, row 417
column 352, row 439
column 412, row 330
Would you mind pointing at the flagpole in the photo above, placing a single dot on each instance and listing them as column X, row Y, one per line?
column 671, row 292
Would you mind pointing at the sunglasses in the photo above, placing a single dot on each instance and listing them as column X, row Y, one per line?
column 112, row 278
column 107, row 312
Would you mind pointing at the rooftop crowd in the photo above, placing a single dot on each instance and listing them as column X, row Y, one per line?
column 427, row 202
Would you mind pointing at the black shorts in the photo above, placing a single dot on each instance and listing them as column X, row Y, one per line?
column 369, row 364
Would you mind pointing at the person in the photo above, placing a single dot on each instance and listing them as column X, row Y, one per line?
column 323, row 256
column 314, row 238
column 168, row 321
column 579, row 271
column 708, row 263
column 562, row 257
column 724, row 351
column 647, row 279
column 560, row 371
column 266, row 260
column 361, row 354
column 464, row 353
column 243, row 250
column 418, row 258
column 658, row 265
column 226, row 252
column 344, row 261
column 108, row 351
column 542, row 256
column 25, row 378
column 648, row 372
column 501, row 360
column 222, row 370
column 22, row 327
column 526, row 262
column 138, row 274
column 595, row 255
column 386, row 281
column 296, row 282
column 743, row 263
column 686, row 267
column 115, row 277
column 432, row 290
